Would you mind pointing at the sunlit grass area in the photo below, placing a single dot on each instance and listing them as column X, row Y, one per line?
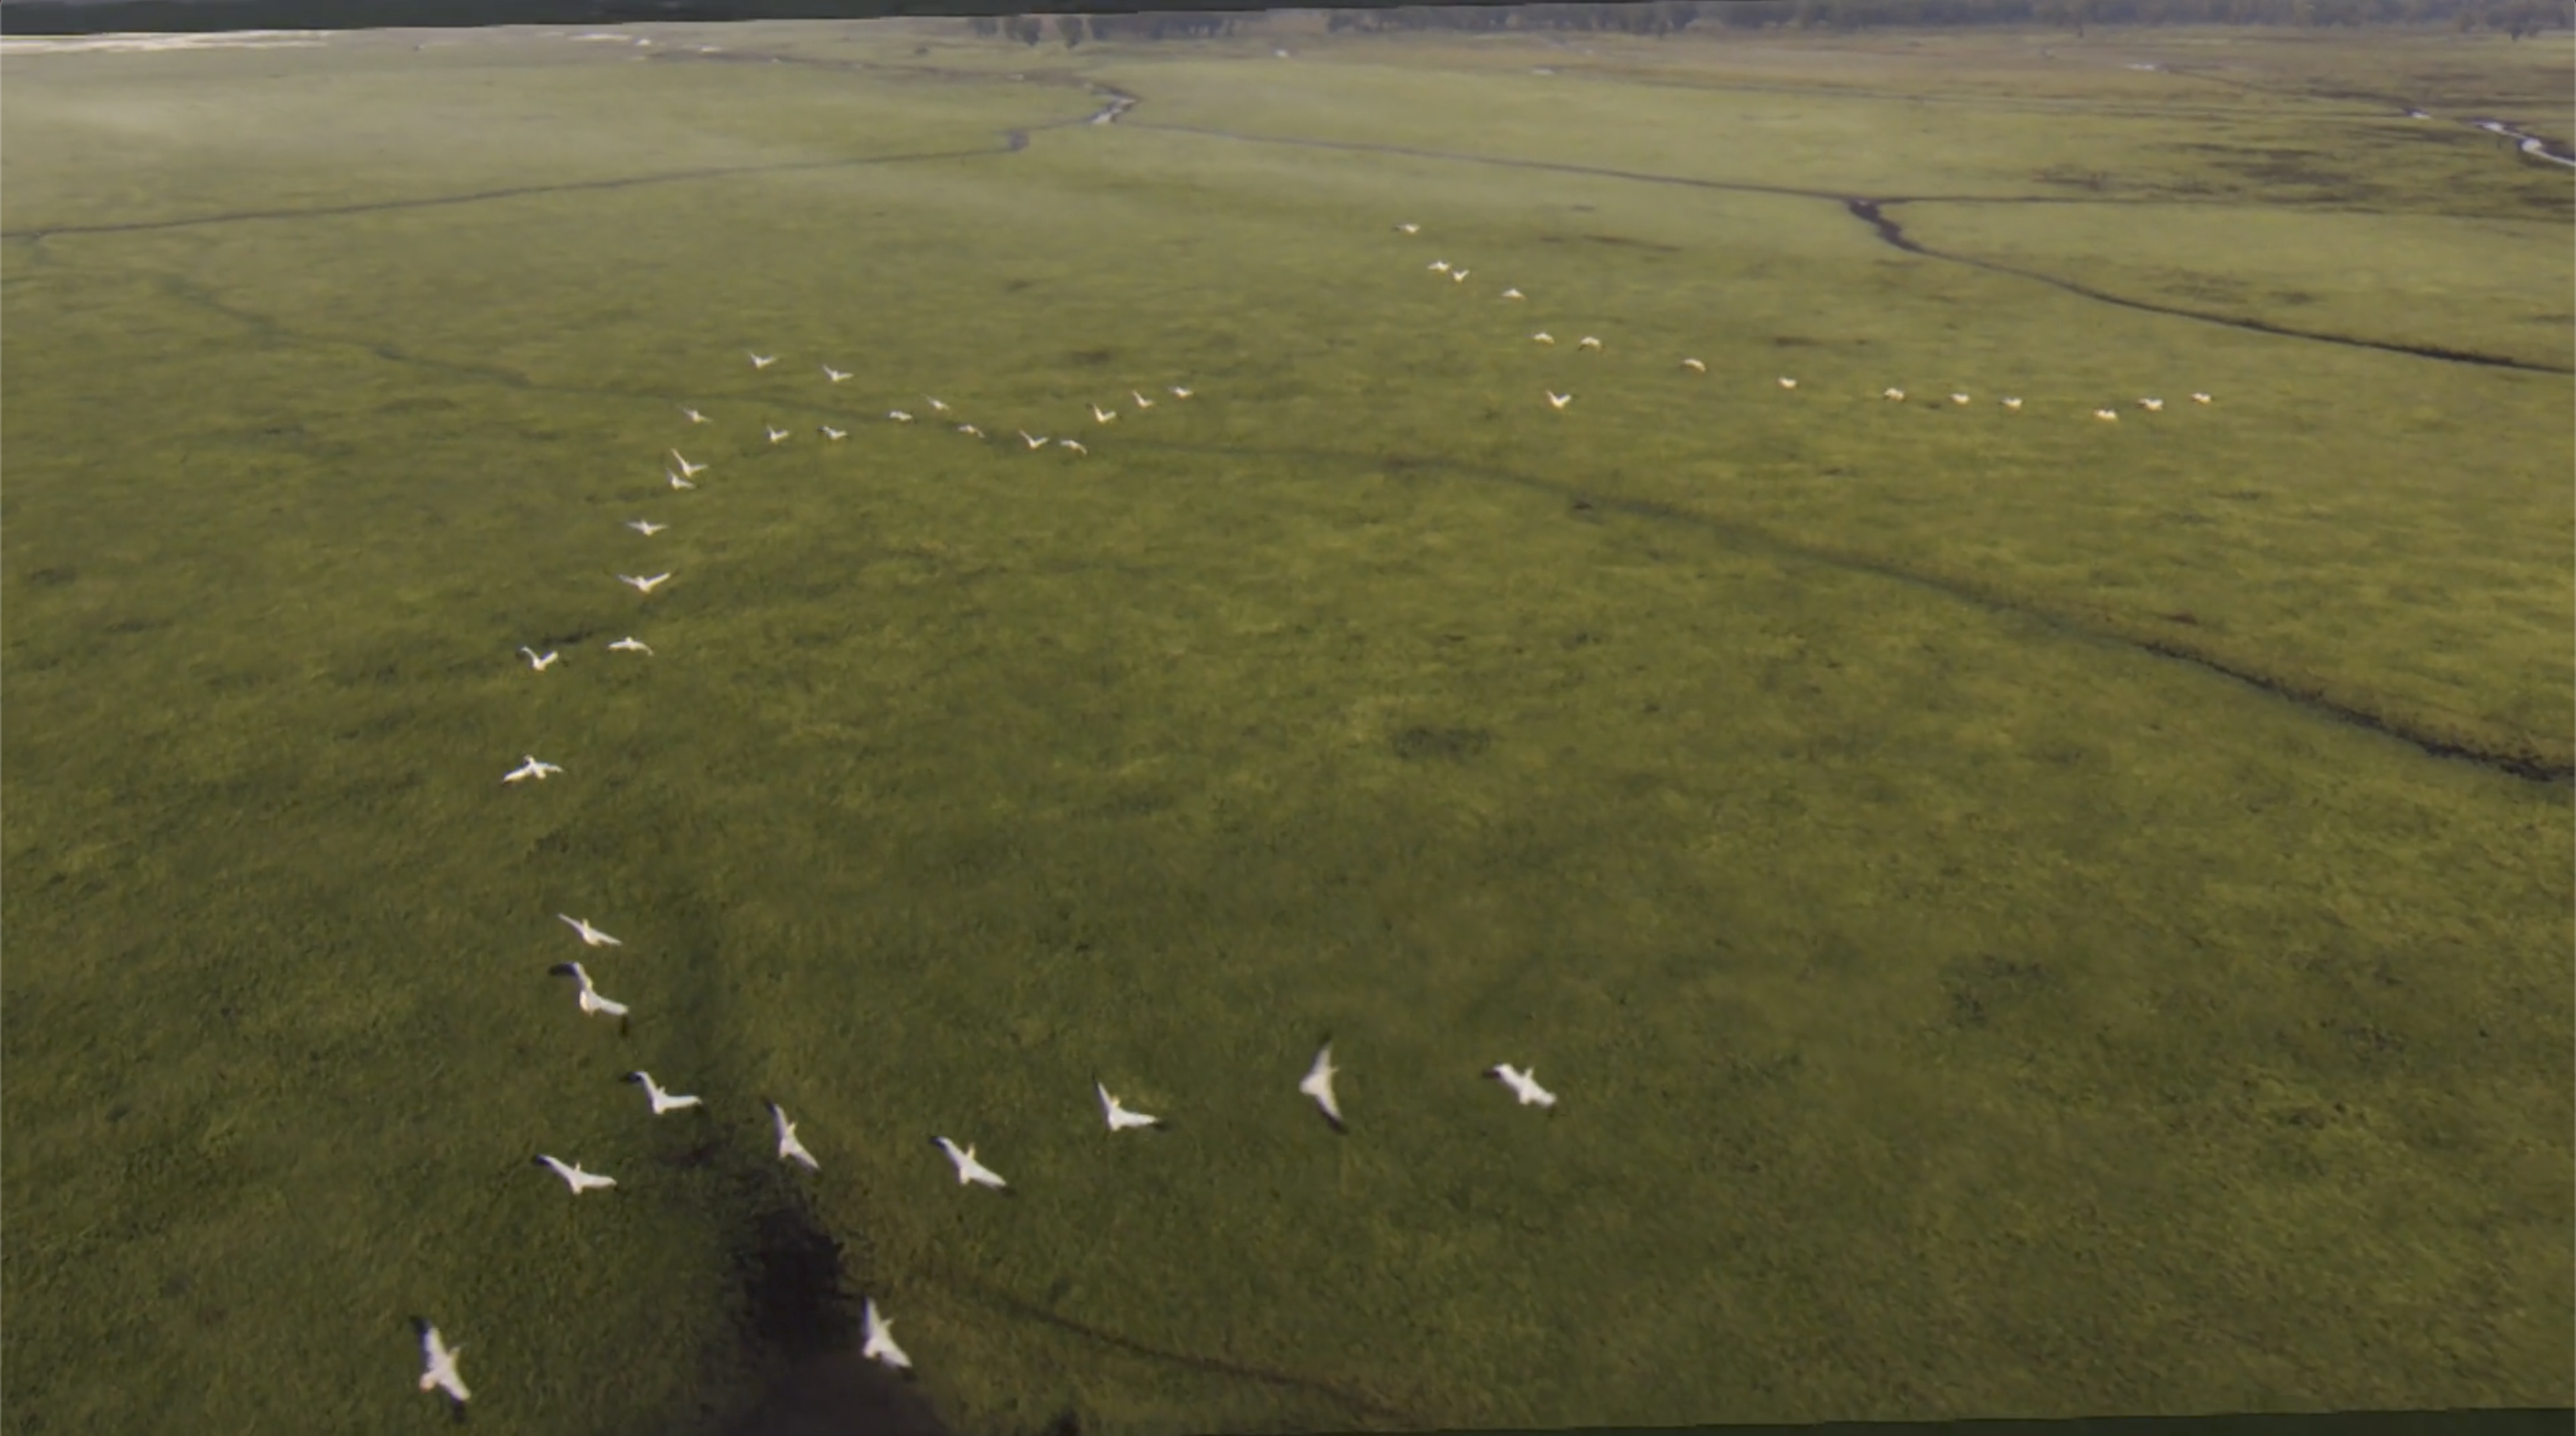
column 1975, row 877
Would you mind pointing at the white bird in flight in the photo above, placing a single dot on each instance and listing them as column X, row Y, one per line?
column 761, row 361
column 694, row 416
column 440, row 1360
column 574, row 1177
column 591, row 1001
column 1892, row 395
column 1120, row 1119
column 642, row 585
column 776, row 436
column 2200, row 398
column 687, row 470
column 789, row 1149
column 530, row 769
column 1408, row 229
column 1318, row 1084
column 1141, row 401
column 1034, row 441
column 970, row 431
column 589, row 934
column 1556, row 400
column 662, row 1101
column 1961, row 399
column 1542, row 337
column 646, row 527
column 2152, row 406
column 1102, row 416
column 1180, row 391
column 936, row 407
column 1514, row 294
column 677, row 482
column 968, row 1169
column 1587, row 342
column 1070, row 444
column 835, row 435
column 1458, row 276
column 631, row 644
column 1694, row 366
column 899, row 416
column 878, row 1338
column 1524, row 1085
column 2108, row 416
column 540, row 661
column 2013, row 403
column 835, row 375
column 1788, row 383
column 1438, row 266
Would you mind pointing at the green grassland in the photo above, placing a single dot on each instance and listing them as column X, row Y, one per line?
column 1966, row 999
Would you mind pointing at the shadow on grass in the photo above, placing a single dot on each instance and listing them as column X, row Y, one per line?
column 799, row 1309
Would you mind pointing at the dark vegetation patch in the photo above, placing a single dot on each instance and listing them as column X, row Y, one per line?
column 1450, row 743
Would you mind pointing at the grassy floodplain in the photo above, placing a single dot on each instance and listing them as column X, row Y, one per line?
column 1966, row 998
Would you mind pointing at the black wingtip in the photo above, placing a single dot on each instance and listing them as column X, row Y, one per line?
column 632, row 1077
column 561, row 969
column 419, row 1325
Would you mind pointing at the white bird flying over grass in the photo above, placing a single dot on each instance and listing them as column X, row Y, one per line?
column 2152, row 406
column 835, row 375
column 1120, row 1119
column 789, row 1149
column 761, row 361
column 835, row 435
column 592, row 1003
column 1070, row 444
column 631, row 644
column 591, row 935
column 1318, row 1084
column 899, row 416
column 1408, row 229
column 646, row 527
column 694, row 416
column 970, row 431
column 1438, row 266
column 642, row 585
column 1894, row 396
column 1542, row 337
column 1556, row 400
column 1587, row 342
column 968, row 1169
column 1514, row 294
column 1694, row 366
column 1960, row 399
column 1788, row 383
column 531, row 769
column 662, row 1101
column 776, row 436
column 1180, row 391
column 2013, row 402
column 1524, row 1085
column 1034, row 441
column 540, row 661
column 439, row 1360
column 677, row 482
column 574, row 1177
column 2200, row 398
column 1141, row 401
column 687, row 470
column 2107, row 416
column 1103, row 416
column 877, row 1339
column 936, row 407
column 1458, row 276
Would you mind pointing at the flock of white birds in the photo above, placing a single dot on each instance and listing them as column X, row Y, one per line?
column 441, row 1373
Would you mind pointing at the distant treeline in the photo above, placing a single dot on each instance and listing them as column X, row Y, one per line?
column 2516, row 18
